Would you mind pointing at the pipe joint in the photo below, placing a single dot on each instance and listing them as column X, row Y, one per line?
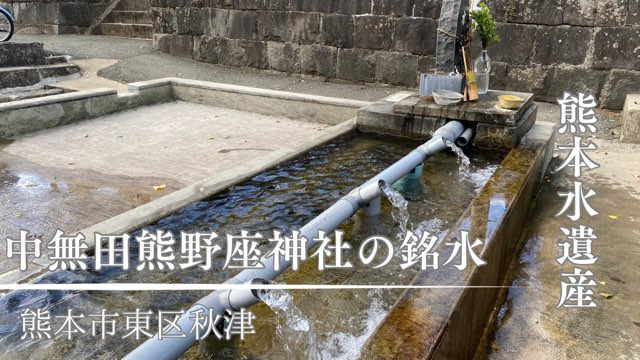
column 243, row 298
column 369, row 192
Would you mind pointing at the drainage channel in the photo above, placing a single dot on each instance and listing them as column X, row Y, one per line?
column 283, row 198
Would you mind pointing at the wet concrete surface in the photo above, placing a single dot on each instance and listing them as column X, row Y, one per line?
column 42, row 199
column 74, row 176
column 529, row 324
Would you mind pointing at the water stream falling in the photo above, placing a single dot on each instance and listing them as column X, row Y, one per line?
column 348, row 346
column 463, row 160
column 297, row 333
column 400, row 211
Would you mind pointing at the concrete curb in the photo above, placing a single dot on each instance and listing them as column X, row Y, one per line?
column 439, row 319
column 25, row 116
column 81, row 105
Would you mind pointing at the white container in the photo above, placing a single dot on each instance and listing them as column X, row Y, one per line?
column 446, row 97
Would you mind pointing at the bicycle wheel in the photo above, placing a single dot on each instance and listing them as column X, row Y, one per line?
column 6, row 25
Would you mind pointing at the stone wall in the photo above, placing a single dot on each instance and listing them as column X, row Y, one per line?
column 548, row 46
column 54, row 16
column 353, row 40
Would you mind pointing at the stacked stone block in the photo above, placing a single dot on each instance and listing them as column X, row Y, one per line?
column 552, row 46
column 54, row 16
column 358, row 40
column 547, row 46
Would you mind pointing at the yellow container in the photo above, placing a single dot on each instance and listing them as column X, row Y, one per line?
column 510, row 101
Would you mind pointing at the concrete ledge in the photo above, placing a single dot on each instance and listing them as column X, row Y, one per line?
column 62, row 98
column 13, row 77
column 268, row 105
column 495, row 129
column 631, row 119
column 236, row 89
column 24, row 116
column 311, row 108
column 449, row 323
column 505, row 137
column 379, row 117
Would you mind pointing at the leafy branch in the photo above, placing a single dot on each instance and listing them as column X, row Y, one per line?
column 484, row 25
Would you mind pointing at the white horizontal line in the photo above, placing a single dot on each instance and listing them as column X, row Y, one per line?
column 213, row 287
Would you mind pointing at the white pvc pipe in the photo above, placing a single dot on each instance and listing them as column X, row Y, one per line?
column 171, row 348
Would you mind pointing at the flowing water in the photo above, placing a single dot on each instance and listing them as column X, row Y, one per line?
column 295, row 332
column 283, row 198
column 400, row 211
column 463, row 160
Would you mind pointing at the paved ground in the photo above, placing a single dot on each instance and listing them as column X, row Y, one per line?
column 530, row 326
column 90, row 79
column 74, row 176
column 137, row 61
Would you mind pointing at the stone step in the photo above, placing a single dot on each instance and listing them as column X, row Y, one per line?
column 21, row 54
column 15, row 95
column 21, row 76
column 56, row 59
column 143, row 31
column 134, row 5
column 128, row 17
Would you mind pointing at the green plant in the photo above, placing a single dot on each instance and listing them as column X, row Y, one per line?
column 484, row 25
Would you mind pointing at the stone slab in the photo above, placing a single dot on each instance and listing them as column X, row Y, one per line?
column 15, row 95
column 21, row 76
column 631, row 119
column 379, row 117
column 505, row 137
column 485, row 110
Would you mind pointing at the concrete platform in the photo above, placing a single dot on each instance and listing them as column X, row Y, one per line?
column 180, row 141
column 408, row 115
column 484, row 110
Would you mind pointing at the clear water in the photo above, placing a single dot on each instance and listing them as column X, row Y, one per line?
column 284, row 198
column 463, row 160
column 399, row 211
column 295, row 331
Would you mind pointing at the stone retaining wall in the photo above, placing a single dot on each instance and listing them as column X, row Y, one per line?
column 54, row 16
column 548, row 46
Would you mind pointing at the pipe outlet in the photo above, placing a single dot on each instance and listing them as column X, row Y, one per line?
column 465, row 138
